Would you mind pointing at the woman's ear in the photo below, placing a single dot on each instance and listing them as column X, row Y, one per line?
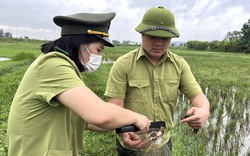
column 81, row 48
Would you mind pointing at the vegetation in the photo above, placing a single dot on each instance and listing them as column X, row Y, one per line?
column 5, row 35
column 224, row 77
column 236, row 41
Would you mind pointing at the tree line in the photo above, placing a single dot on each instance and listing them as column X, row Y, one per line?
column 236, row 41
column 5, row 34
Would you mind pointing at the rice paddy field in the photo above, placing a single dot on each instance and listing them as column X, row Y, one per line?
column 224, row 78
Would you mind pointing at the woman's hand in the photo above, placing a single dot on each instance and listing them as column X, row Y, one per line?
column 142, row 123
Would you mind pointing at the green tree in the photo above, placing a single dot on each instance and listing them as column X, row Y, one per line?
column 245, row 39
column 198, row 45
column 214, row 45
column 235, row 35
column 1, row 33
column 116, row 42
column 125, row 42
column 8, row 35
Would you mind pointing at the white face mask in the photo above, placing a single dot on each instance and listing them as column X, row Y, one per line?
column 93, row 63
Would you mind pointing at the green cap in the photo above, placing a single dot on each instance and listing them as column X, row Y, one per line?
column 158, row 22
column 86, row 23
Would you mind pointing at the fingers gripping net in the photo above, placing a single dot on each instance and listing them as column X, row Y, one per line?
column 152, row 147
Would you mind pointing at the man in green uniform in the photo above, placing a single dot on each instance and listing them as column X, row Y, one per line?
column 147, row 80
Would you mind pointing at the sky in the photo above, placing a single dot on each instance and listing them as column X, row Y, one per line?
column 203, row 20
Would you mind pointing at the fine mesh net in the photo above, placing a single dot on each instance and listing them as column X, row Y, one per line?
column 152, row 148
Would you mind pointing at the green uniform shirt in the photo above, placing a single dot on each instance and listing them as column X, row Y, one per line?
column 38, row 124
column 151, row 90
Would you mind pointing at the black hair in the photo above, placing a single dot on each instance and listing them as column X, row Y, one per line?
column 70, row 44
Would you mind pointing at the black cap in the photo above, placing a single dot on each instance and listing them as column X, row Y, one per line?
column 86, row 23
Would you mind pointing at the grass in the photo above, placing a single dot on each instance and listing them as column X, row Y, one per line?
column 224, row 77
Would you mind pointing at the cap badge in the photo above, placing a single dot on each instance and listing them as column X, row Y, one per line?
column 93, row 32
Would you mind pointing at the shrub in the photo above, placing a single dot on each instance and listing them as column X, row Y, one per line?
column 24, row 56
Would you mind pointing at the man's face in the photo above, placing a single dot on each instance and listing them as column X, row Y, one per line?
column 155, row 47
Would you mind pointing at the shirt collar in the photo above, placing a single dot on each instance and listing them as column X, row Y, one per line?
column 164, row 58
column 169, row 56
column 141, row 53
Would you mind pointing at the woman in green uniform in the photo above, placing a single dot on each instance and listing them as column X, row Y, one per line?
column 52, row 105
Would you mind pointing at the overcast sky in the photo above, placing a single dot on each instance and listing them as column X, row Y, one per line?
column 203, row 20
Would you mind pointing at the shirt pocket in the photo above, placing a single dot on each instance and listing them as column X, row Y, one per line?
column 170, row 88
column 138, row 91
column 59, row 153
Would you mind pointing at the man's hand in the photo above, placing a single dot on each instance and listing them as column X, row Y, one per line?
column 199, row 113
column 132, row 140
column 196, row 117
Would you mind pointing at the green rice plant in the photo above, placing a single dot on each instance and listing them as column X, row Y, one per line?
column 224, row 78
column 9, row 81
column 10, row 48
column 102, row 143
column 24, row 56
